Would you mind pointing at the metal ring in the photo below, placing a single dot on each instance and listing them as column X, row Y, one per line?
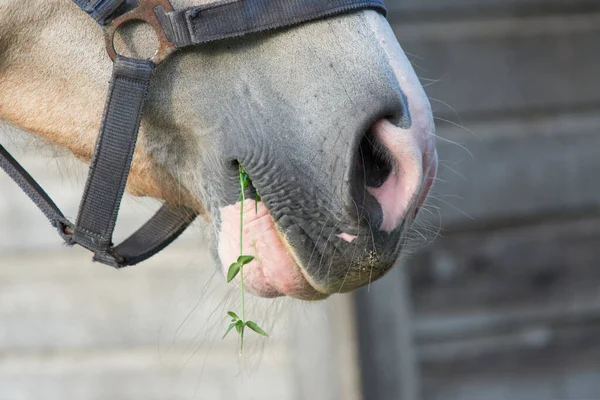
column 144, row 12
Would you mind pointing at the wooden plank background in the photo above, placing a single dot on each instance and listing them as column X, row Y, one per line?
column 422, row 9
column 505, row 301
column 71, row 329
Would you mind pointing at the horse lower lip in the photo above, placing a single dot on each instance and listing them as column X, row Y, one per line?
column 256, row 282
column 274, row 272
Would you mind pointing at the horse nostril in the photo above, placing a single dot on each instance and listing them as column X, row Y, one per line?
column 373, row 161
column 372, row 168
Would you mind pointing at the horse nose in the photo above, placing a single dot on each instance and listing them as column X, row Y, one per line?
column 387, row 175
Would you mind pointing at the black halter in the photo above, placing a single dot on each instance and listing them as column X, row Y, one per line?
column 113, row 153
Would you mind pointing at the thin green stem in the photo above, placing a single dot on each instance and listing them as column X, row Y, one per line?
column 238, row 268
column 242, row 269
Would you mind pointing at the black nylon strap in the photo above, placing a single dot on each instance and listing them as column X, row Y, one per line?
column 107, row 178
column 34, row 191
column 109, row 170
column 164, row 227
column 232, row 18
column 100, row 10
column 111, row 162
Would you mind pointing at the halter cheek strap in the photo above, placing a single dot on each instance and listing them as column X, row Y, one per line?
column 107, row 179
column 129, row 84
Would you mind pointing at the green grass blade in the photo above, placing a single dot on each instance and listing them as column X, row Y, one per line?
column 239, row 326
column 244, row 179
column 234, row 269
column 231, row 326
column 252, row 325
column 233, row 315
column 243, row 260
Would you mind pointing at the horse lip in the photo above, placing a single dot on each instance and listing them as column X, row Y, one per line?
column 319, row 292
column 323, row 289
column 276, row 270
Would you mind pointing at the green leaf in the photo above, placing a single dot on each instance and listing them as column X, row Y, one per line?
column 233, row 315
column 252, row 325
column 243, row 260
column 239, row 326
column 231, row 326
column 256, row 200
column 244, row 179
column 234, row 269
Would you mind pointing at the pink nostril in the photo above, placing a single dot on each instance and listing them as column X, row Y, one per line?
column 390, row 165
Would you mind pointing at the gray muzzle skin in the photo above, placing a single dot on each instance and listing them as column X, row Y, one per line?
column 303, row 153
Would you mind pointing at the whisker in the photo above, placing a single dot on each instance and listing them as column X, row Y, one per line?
column 456, row 125
column 449, row 106
column 443, row 139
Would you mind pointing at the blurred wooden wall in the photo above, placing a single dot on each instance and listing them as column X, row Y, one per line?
column 71, row 329
column 505, row 303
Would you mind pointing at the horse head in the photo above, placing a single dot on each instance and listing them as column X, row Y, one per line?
column 327, row 118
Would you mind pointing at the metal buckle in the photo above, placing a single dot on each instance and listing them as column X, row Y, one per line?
column 143, row 12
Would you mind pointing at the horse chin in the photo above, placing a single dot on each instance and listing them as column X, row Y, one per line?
column 274, row 271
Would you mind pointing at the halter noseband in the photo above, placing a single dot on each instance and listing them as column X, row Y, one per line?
column 129, row 84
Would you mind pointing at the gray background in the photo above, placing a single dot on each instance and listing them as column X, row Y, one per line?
column 505, row 303
column 71, row 329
